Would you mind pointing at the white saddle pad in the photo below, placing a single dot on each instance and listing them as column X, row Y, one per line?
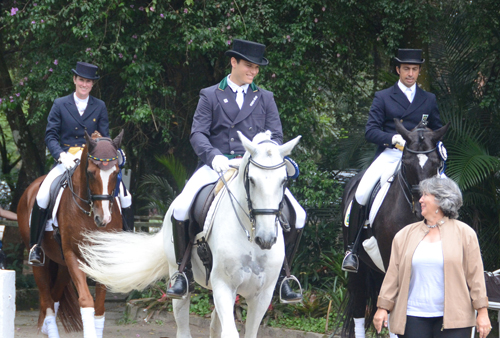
column 384, row 187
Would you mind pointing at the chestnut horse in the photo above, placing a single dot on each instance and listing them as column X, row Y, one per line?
column 400, row 207
column 86, row 205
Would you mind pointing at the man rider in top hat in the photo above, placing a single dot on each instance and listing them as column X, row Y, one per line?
column 410, row 104
column 235, row 103
column 70, row 117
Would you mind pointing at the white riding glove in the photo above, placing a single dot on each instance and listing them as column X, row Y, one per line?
column 67, row 159
column 398, row 140
column 220, row 163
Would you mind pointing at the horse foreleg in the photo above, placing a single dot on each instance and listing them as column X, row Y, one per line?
column 47, row 312
column 257, row 307
column 85, row 299
column 224, row 299
column 100, row 297
column 215, row 328
column 181, row 315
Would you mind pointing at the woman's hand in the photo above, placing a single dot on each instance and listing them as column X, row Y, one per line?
column 380, row 319
column 483, row 323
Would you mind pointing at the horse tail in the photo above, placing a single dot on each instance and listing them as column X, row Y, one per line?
column 124, row 261
column 69, row 310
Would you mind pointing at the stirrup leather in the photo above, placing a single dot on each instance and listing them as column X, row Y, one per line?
column 32, row 253
column 172, row 281
column 284, row 301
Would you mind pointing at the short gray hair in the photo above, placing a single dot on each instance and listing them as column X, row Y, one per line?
column 446, row 192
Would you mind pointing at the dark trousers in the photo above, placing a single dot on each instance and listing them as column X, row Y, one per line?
column 421, row 327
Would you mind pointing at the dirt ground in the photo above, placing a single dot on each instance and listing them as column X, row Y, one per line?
column 162, row 326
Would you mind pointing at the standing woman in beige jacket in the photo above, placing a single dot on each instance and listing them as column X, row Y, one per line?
column 435, row 278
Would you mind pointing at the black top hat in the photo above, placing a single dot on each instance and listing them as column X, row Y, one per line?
column 86, row 70
column 249, row 51
column 411, row 56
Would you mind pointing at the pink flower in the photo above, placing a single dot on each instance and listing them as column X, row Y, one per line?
column 338, row 55
column 232, row 9
column 13, row 11
column 228, row 15
column 51, row 70
column 323, row 9
column 42, row 21
column 161, row 15
column 228, row 42
column 133, row 61
column 25, row 78
column 315, row 19
column 120, row 55
column 18, row 94
column 228, row 27
column 1, row 100
column 135, row 56
column 131, row 6
column 141, row 8
column 288, row 38
column 33, row 22
column 56, row 62
column 151, row 9
column 21, row 83
column 190, row 41
column 185, row 10
column 273, row 76
column 35, row 4
column 88, row 49
column 134, row 36
column 36, row 63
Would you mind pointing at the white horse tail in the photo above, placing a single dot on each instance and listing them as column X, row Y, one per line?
column 124, row 261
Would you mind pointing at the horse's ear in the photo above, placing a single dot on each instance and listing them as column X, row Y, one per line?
column 117, row 141
column 438, row 134
column 90, row 142
column 247, row 144
column 401, row 130
column 287, row 148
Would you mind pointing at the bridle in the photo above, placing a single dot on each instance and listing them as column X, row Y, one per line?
column 93, row 197
column 251, row 211
column 411, row 189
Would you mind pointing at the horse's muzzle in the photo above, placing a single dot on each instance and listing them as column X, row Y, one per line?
column 265, row 244
column 99, row 222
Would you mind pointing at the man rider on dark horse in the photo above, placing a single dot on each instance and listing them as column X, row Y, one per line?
column 410, row 104
column 70, row 117
column 235, row 103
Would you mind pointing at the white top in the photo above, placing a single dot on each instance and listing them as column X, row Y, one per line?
column 81, row 105
column 408, row 91
column 426, row 296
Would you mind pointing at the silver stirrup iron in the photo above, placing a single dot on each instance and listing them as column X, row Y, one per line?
column 187, row 284
column 292, row 277
column 29, row 255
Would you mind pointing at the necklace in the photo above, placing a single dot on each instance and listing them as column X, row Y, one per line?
column 441, row 222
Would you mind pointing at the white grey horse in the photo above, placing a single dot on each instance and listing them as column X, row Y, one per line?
column 248, row 266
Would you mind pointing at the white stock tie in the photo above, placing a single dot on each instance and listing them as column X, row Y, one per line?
column 239, row 97
column 408, row 94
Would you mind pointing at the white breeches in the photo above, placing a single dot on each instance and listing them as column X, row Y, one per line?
column 206, row 175
column 43, row 196
column 387, row 159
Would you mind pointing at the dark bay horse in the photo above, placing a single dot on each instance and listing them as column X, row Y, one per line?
column 400, row 207
column 86, row 205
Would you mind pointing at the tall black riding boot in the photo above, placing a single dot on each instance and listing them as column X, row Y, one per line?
column 181, row 242
column 37, row 228
column 128, row 219
column 292, row 240
column 356, row 223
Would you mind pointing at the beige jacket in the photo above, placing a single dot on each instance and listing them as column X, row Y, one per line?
column 464, row 286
